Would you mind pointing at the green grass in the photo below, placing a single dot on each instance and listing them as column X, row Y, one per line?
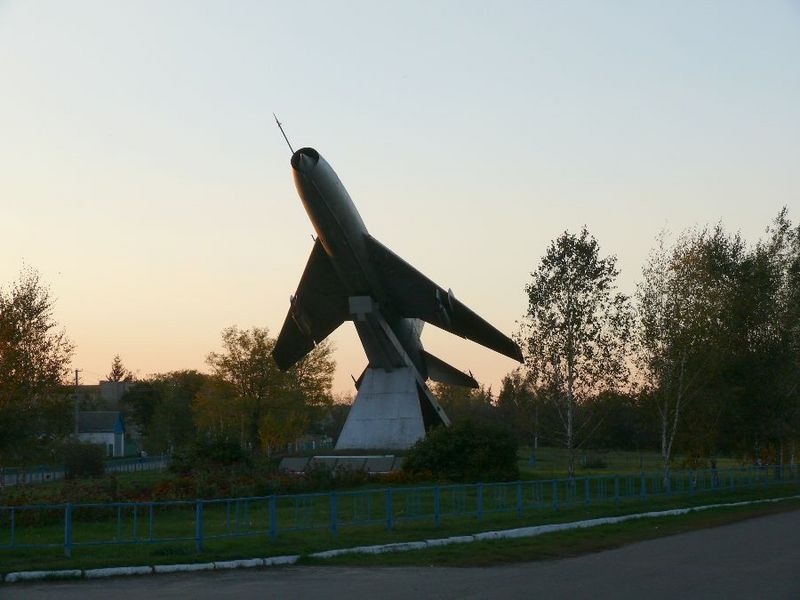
column 562, row 544
column 552, row 462
column 100, row 524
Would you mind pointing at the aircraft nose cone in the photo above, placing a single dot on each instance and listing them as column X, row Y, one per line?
column 304, row 160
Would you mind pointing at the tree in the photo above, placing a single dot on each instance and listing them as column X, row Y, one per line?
column 461, row 403
column 685, row 325
column 118, row 371
column 161, row 408
column 766, row 417
column 574, row 332
column 34, row 361
column 519, row 404
column 271, row 407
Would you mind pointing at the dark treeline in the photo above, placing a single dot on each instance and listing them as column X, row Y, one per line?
column 702, row 360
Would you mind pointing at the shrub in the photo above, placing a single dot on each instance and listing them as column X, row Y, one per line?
column 219, row 449
column 468, row 451
column 209, row 452
column 83, row 460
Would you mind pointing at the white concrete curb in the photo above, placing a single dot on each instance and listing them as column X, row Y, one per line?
column 239, row 564
column 529, row 531
column 376, row 549
column 184, row 568
column 281, row 560
column 35, row 575
column 115, row 571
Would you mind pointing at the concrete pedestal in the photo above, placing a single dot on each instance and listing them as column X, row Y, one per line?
column 386, row 413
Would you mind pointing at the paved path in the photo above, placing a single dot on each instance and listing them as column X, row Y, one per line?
column 758, row 558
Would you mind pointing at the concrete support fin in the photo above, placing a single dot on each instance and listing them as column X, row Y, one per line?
column 386, row 413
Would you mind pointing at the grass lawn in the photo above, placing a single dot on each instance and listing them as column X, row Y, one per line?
column 556, row 545
column 552, row 462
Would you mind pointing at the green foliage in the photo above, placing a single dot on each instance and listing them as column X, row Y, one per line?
column 467, row 451
column 575, row 331
column 461, row 403
column 220, row 449
column 83, row 460
column 209, row 451
column 251, row 397
column 161, row 409
column 34, row 361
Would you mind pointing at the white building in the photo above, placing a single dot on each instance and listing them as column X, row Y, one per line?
column 103, row 427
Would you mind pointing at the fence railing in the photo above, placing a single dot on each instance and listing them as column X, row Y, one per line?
column 199, row 521
column 43, row 473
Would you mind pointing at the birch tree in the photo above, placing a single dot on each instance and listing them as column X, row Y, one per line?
column 575, row 331
column 684, row 304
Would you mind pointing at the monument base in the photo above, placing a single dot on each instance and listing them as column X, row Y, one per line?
column 386, row 413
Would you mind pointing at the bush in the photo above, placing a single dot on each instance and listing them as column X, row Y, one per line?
column 209, row 452
column 220, row 450
column 468, row 451
column 83, row 460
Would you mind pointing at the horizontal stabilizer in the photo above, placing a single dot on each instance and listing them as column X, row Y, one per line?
column 440, row 371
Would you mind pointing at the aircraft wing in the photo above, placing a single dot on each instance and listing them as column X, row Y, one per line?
column 415, row 296
column 318, row 307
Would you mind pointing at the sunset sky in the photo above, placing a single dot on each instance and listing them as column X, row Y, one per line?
column 142, row 175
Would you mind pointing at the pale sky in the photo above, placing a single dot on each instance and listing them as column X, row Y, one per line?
column 142, row 175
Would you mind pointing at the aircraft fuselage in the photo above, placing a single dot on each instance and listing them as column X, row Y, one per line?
column 342, row 233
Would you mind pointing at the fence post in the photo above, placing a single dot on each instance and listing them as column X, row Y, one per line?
column 616, row 489
column 273, row 517
column 554, row 494
column 730, row 477
column 436, row 515
column 334, row 516
column 519, row 498
column 586, row 491
column 480, row 501
column 198, row 526
column 68, row 530
column 643, row 489
column 389, row 509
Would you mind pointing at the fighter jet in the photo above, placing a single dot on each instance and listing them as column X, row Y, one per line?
column 351, row 276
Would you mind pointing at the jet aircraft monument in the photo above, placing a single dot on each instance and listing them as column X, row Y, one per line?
column 351, row 276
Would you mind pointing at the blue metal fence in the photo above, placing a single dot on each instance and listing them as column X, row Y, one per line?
column 91, row 524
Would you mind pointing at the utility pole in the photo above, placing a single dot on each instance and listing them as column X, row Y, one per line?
column 76, row 401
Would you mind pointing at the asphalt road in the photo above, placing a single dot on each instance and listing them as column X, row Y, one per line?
column 758, row 558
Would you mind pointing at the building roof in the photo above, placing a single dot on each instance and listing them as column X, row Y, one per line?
column 100, row 421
